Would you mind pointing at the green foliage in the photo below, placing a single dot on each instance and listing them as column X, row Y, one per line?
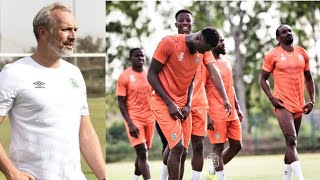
column 118, row 145
column 111, row 100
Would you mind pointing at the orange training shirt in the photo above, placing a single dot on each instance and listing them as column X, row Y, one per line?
column 135, row 87
column 179, row 68
column 288, row 74
column 215, row 100
column 199, row 98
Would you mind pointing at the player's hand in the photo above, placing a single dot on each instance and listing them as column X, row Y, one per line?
column 227, row 107
column 185, row 112
column 240, row 115
column 308, row 108
column 134, row 131
column 20, row 175
column 210, row 125
column 175, row 112
column 277, row 103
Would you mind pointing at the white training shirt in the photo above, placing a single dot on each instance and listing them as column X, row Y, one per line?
column 44, row 107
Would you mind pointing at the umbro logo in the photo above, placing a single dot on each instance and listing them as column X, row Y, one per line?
column 39, row 84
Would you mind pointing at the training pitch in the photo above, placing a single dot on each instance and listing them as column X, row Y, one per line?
column 262, row 167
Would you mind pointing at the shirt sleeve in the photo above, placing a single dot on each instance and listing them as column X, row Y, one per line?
column 121, row 85
column 268, row 62
column 8, row 89
column 164, row 50
column 85, row 106
column 306, row 59
column 208, row 58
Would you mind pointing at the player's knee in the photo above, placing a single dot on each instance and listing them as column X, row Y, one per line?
column 237, row 146
column 291, row 140
column 217, row 148
column 184, row 153
column 178, row 149
column 143, row 155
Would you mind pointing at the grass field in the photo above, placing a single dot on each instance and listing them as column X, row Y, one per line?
column 262, row 167
column 97, row 114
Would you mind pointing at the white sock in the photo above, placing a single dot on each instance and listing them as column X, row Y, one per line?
column 164, row 172
column 296, row 168
column 135, row 177
column 220, row 175
column 195, row 175
column 287, row 172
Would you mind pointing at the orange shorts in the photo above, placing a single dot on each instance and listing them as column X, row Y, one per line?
column 145, row 133
column 224, row 130
column 199, row 122
column 173, row 130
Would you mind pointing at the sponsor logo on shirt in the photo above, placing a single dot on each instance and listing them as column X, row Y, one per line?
column 39, row 84
column 132, row 78
column 180, row 58
column 282, row 57
column 74, row 83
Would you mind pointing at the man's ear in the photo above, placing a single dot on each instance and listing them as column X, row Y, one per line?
column 43, row 33
column 176, row 25
column 198, row 36
column 278, row 39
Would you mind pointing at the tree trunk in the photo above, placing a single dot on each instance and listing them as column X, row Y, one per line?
column 240, row 88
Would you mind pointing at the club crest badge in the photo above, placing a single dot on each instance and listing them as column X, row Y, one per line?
column 197, row 60
column 73, row 83
column 174, row 136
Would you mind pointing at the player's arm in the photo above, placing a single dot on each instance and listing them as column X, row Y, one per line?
column 7, row 167
column 266, row 88
column 154, row 69
column 217, row 81
column 134, row 131
column 186, row 109
column 91, row 148
column 237, row 106
column 310, row 89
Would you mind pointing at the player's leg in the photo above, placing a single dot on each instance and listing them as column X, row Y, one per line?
column 137, row 172
column 164, row 170
column 235, row 140
column 183, row 159
column 288, row 127
column 173, row 131
column 218, row 137
column 174, row 161
column 134, row 142
column 218, row 160
column 199, row 125
column 231, row 151
column 164, row 142
column 295, row 166
column 197, row 156
column 186, row 127
column 142, row 164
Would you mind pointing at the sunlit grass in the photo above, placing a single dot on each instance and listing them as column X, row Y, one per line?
column 262, row 167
